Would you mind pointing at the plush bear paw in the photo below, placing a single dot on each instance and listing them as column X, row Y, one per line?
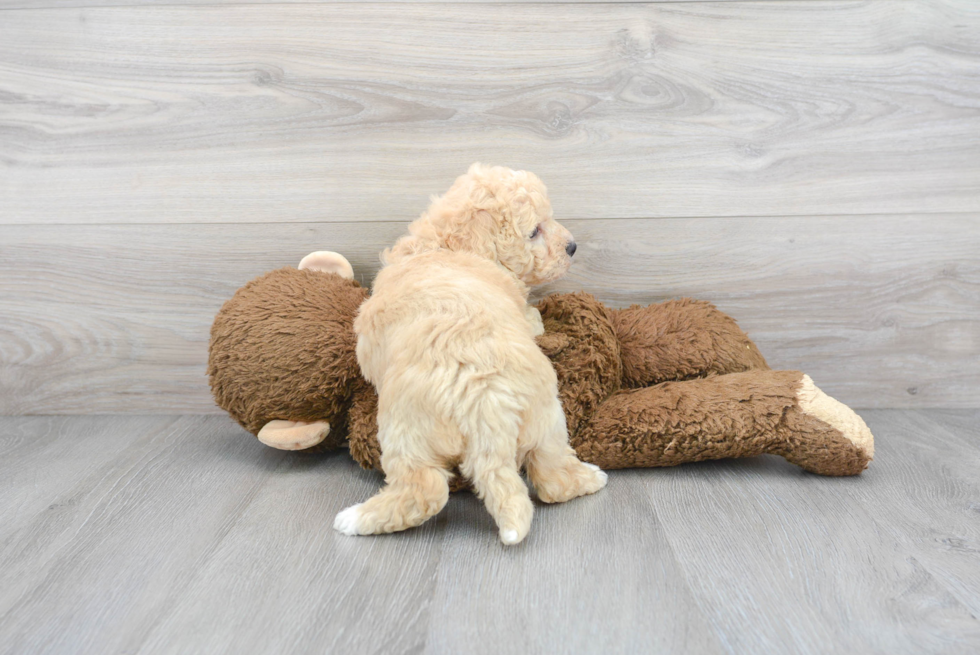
column 816, row 403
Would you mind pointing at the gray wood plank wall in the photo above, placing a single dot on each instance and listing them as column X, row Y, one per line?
column 812, row 167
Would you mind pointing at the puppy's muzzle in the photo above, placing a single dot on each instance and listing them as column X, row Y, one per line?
column 570, row 248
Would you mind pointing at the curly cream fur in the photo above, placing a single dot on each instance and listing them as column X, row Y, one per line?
column 448, row 341
column 491, row 212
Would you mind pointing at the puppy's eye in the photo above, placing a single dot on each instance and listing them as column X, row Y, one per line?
column 537, row 231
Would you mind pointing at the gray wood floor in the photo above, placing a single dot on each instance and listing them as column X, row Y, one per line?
column 183, row 534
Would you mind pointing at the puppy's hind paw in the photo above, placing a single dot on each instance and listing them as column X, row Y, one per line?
column 577, row 479
column 599, row 479
column 348, row 521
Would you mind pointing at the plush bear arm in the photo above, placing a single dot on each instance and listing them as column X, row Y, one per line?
column 734, row 415
column 362, row 430
column 681, row 340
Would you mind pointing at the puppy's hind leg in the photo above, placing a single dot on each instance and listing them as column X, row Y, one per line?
column 553, row 467
column 410, row 496
column 416, row 488
column 491, row 430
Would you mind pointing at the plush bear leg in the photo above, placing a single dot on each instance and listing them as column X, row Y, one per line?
column 735, row 415
column 363, row 426
column 845, row 448
column 681, row 340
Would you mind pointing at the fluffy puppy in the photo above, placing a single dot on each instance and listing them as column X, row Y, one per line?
column 447, row 338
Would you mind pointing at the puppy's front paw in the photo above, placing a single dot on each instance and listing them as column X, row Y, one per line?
column 534, row 318
column 348, row 521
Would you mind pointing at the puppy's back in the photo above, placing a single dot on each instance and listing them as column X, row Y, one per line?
column 438, row 308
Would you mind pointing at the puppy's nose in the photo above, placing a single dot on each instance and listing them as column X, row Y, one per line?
column 570, row 248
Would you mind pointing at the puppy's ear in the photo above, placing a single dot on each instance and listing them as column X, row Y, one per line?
column 473, row 232
column 520, row 203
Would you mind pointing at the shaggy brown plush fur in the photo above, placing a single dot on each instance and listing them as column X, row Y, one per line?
column 645, row 386
column 283, row 346
column 680, row 340
column 735, row 415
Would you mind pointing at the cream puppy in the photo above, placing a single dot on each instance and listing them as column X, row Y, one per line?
column 447, row 338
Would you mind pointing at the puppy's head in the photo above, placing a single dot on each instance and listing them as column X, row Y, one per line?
column 497, row 213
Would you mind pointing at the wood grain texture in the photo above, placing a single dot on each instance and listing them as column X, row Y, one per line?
column 880, row 311
column 597, row 575
column 351, row 112
column 935, row 491
column 840, row 557
column 113, row 549
column 194, row 538
column 83, row 4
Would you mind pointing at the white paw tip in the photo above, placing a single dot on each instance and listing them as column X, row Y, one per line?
column 602, row 476
column 509, row 536
column 346, row 521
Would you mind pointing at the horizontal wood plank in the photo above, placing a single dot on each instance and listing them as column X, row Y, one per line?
column 83, row 4
column 357, row 112
column 880, row 311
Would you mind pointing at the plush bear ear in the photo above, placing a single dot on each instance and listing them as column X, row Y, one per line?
column 327, row 261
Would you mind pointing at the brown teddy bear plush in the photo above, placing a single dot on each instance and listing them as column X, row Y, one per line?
column 649, row 386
